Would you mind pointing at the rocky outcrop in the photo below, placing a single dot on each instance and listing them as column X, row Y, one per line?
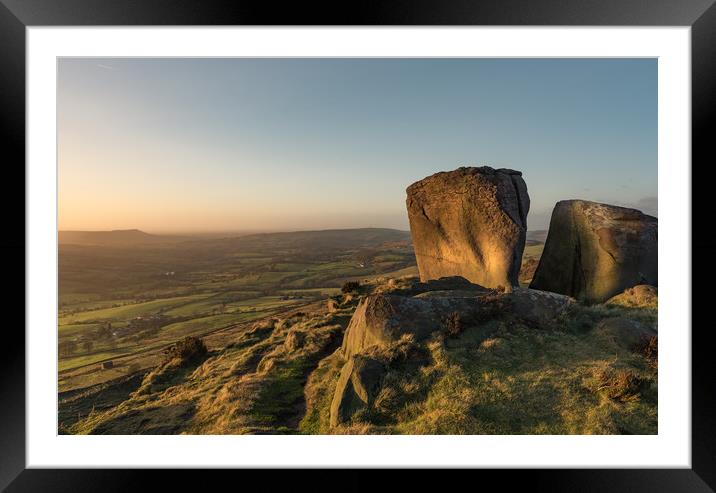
column 357, row 386
column 382, row 319
column 594, row 251
column 470, row 222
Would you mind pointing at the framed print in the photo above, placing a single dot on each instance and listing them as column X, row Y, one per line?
column 422, row 236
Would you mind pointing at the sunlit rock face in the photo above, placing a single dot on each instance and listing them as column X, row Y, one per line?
column 595, row 251
column 470, row 222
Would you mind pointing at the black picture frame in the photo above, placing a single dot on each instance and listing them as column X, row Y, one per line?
column 16, row 15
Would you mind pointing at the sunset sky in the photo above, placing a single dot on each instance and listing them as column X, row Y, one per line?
column 182, row 145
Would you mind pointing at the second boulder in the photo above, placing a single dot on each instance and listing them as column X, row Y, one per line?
column 595, row 251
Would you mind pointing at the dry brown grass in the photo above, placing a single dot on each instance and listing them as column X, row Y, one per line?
column 648, row 347
column 186, row 350
column 619, row 384
column 254, row 385
column 453, row 324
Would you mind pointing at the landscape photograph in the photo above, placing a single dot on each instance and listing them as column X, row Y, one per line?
column 376, row 246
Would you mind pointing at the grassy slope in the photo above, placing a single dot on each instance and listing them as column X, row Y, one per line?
column 522, row 382
column 496, row 378
column 533, row 251
column 504, row 378
column 254, row 385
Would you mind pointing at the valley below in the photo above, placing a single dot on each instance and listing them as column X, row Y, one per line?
column 125, row 298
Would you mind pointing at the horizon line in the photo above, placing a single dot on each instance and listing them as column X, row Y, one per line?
column 232, row 231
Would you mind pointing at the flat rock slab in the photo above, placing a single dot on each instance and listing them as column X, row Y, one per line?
column 538, row 308
column 443, row 284
column 470, row 222
column 381, row 319
column 595, row 251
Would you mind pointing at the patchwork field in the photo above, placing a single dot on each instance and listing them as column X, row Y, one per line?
column 122, row 303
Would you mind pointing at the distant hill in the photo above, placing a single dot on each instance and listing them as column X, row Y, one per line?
column 536, row 236
column 341, row 239
column 113, row 238
column 324, row 239
column 328, row 238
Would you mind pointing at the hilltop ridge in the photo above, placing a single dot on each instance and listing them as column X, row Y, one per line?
column 111, row 237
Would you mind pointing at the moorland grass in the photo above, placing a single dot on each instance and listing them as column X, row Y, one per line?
column 504, row 378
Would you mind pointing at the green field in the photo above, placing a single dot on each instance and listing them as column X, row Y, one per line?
column 533, row 251
column 69, row 330
column 127, row 311
column 86, row 359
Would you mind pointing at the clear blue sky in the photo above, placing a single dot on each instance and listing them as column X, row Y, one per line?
column 286, row 144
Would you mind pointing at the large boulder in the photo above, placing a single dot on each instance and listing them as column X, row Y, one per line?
column 594, row 251
column 470, row 222
column 358, row 384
